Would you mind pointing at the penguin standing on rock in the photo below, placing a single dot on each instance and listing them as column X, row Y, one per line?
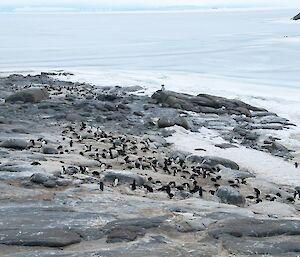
column 116, row 181
column 101, row 186
column 133, row 186
column 200, row 191
column 257, row 192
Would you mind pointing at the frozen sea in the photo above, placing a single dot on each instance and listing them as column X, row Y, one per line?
column 251, row 45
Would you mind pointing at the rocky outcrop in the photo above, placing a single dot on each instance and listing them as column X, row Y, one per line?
column 253, row 236
column 39, row 237
column 203, row 103
column 17, row 144
column 230, row 195
column 297, row 17
column 123, row 177
column 30, row 95
column 165, row 122
column 213, row 161
column 129, row 230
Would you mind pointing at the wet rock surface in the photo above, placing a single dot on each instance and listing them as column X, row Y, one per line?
column 88, row 171
column 253, row 236
column 30, row 95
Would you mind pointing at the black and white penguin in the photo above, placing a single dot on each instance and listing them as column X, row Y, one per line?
column 200, row 191
column 149, row 188
column 115, row 182
column 101, row 185
column 133, row 186
column 257, row 192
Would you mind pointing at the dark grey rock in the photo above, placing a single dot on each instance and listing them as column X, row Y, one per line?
column 18, row 167
column 229, row 195
column 254, row 237
column 130, row 229
column 108, row 97
column 31, row 95
column 165, row 122
column 213, row 161
column 18, row 144
column 39, row 237
column 138, row 113
column 75, row 117
column 267, row 246
column 116, row 117
column 203, row 103
column 297, row 17
column 49, row 150
column 110, row 107
column 225, row 146
column 50, row 183
column 63, row 182
column 100, row 119
column 71, row 170
column 254, row 228
column 127, row 234
column 39, row 178
column 123, row 176
column 182, row 122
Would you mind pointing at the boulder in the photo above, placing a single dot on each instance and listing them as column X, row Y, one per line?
column 213, row 161
column 17, row 144
column 203, row 103
column 165, row 122
column 229, row 195
column 233, row 174
column 50, row 183
column 49, row 150
column 126, row 177
column 39, row 178
column 30, row 95
column 182, row 122
column 225, row 146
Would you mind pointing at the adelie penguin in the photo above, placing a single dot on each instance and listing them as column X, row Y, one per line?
column 101, row 185
column 149, row 189
column 200, row 191
column 115, row 182
column 257, row 192
column 35, row 163
column 133, row 186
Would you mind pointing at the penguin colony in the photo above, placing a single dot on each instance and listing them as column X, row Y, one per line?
column 174, row 177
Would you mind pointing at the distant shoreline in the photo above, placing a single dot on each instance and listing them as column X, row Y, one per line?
column 141, row 11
